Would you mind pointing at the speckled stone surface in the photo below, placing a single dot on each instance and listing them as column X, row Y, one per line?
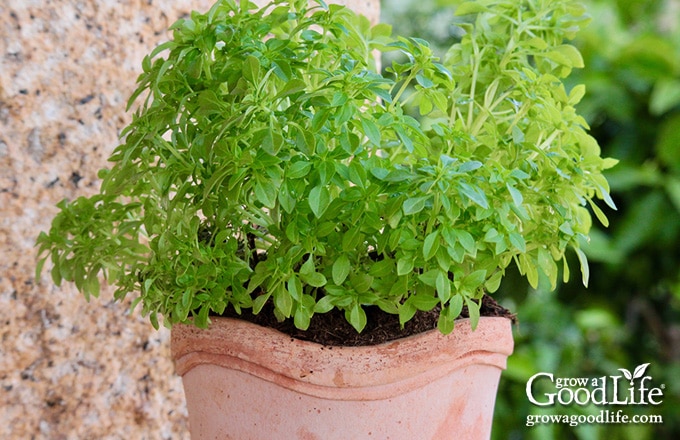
column 71, row 369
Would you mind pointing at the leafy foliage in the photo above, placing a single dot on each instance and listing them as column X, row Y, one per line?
column 633, row 52
column 269, row 161
column 630, row 312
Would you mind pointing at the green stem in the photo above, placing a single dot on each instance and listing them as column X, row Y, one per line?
column 403, row 88
column 473, row 85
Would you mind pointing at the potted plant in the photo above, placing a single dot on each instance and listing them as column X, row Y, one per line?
column 271, row 171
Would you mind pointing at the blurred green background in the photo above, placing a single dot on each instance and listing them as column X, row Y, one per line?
column 630, row 314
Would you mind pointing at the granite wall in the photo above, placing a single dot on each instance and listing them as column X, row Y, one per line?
column 71, row 369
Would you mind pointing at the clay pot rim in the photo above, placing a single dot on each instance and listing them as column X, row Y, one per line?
column 370, row 372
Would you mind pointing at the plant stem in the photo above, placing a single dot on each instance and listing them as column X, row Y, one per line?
column 473, row 85
column 403, row 88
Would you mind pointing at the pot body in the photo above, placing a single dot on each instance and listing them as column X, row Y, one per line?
column 247, row 382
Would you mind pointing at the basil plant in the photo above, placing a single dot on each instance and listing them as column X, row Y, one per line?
column 268, row 161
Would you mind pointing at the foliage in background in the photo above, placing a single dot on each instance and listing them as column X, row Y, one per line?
column 630, row 314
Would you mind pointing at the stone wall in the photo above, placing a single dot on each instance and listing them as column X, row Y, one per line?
column 71, row 369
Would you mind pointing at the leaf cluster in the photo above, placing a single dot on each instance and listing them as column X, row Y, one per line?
column 270, row 162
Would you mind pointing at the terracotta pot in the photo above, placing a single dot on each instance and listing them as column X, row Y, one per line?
column 247, row 382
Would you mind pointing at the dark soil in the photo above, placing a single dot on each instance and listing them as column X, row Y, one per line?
column 332, row 329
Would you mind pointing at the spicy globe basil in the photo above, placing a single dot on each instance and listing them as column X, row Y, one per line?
column 269, row 162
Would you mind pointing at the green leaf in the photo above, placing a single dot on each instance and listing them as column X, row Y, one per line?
column 203, row 318
column 251, row 69
column 405, row 265
column 431, row 245
column 92, row 285
column 295, row 288
column 153, row 317
column 414, row 205
column 572, row 54
column 314, row 279
column 310, row 35
column 548, row 266
column 466, row 240
column 357, row 317
column 576, row 94
column 293, row 233
column 41, row 262
column 351, row 239
column 516, row 195
column 308, row 266
column 474, row 280
column 379, row 173
column 470, row 165
column 473, row 310
column 292, row 87
column 449, row 313
column 302, row 318
column 209, row 102
column 260, row 301
column 565, row 270
column 320, row 118
column 56, row 273
column 326, row 172
column 423, row 80
column 528, row 268
column 180, row 312
column 382, row 268
column 455, row 307
column 493, row 236
column 286, row 199
column 339, row 98
column 305, row 142
column 518, row 241
column 470, row 8
column 298, row 169
column 665, row 95
column 429, row 278
column 265, row 193
column 406, row 312
column 443, row 287
column 494, row 282
column 474, row 193
column 517, row 135
column 424, row 103
column 404, row 138
column 424, row 303
column 341, row 269
column 444, row 324
column 361, row 282
column 186, row 298
column 319, row 199
column 357, row 174
column 598, row 213
column 283, row 301
column 371, row 131
column 585, row 269
column 325, row 304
